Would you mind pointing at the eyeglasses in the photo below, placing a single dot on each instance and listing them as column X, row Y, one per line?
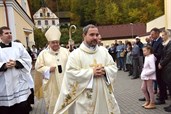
column 7, row 33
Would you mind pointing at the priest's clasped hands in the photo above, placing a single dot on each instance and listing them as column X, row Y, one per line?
column 10, row 64
column 99, row 71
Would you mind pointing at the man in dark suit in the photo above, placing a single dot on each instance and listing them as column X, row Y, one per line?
column 157, row 49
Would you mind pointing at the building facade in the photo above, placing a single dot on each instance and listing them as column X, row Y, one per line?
column 16, row 15
column 162, row 22
column 44, row 18
column 112, row 33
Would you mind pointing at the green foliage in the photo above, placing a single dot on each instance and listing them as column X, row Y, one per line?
column 141, row 10
column 64, row 5
column 77, row 36
column 39, row 38
column 35, row 5
column 104, row 12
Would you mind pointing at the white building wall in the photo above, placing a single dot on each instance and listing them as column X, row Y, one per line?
column 158, row 22
column 168, row 13
column 52, row 16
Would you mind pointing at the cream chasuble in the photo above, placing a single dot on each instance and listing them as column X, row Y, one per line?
column 51, row 87
column 81, row 92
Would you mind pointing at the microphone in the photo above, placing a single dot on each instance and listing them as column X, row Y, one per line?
column 59, row 68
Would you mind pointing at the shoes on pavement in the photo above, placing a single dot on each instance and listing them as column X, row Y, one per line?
column 129, row 74
column 141, row 99
column 159, row 102
column 168, row 109
column 126, row 70
column 134, row 77
column 150, row 106
column 146, row 103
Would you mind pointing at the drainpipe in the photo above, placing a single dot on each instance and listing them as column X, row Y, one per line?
column 6, row 12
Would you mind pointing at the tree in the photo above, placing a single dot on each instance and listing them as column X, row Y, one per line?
column 104, row 12
column 39, row 38
column 35, row 5
column 141, row 10
column 112, row 13
column 77, row 36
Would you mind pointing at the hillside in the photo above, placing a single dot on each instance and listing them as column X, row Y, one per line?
column 104, row 12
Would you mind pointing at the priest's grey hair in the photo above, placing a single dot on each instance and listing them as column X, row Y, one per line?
column 86, row 28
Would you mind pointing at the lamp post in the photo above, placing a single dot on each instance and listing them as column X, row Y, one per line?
column 132, row 29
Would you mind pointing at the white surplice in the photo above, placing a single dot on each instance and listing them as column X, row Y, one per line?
column 81, row 92
column 14, row 85
column 51, row 81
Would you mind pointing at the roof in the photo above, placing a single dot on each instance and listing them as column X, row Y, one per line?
column 122, row 31
column 44, row 11
column 31, row 18
column 63, row 14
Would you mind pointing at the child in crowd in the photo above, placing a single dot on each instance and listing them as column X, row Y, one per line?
column 129, row 58
column 148, row 74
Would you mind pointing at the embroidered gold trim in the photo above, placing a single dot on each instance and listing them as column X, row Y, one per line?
column 89, row 93
column 95, row 64
column 110, row 88
column 69, row 97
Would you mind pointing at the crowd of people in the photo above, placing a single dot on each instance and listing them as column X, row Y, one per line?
column 150, row 61
column 81, row 80
column 128, row 56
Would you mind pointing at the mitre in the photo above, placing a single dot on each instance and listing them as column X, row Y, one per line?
column 53, row 33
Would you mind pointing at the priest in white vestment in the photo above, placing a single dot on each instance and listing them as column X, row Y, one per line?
column 51, row 64
column 88, row 84
column 15, row 67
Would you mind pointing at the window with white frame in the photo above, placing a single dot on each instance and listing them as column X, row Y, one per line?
column 53, row 22
column 48, row 14
column 39, row 22
column 46, row 22
column 41, row 14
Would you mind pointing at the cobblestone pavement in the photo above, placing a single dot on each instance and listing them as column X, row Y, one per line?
column 127, row 93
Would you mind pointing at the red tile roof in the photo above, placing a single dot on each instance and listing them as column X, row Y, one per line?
column 122, row 31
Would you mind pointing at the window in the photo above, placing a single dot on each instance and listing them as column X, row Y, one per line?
column 53, row 22
column 39, row 22
column 46, row 22
column 48, row 14
column 41, row 15
column 27, row 41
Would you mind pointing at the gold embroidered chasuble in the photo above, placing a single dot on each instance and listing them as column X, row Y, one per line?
column 50, row 87
column 81, row 92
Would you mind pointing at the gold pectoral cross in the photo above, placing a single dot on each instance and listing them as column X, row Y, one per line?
column 95, row 64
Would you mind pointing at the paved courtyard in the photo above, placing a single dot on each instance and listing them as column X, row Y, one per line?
column 127, row 92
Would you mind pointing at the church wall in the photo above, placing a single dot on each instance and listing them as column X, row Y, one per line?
column 20, row 25
column 2, row 14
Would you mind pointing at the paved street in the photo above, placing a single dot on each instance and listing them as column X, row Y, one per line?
column 127, row 92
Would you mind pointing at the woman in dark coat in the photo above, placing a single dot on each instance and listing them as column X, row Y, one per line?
column 165, row 63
